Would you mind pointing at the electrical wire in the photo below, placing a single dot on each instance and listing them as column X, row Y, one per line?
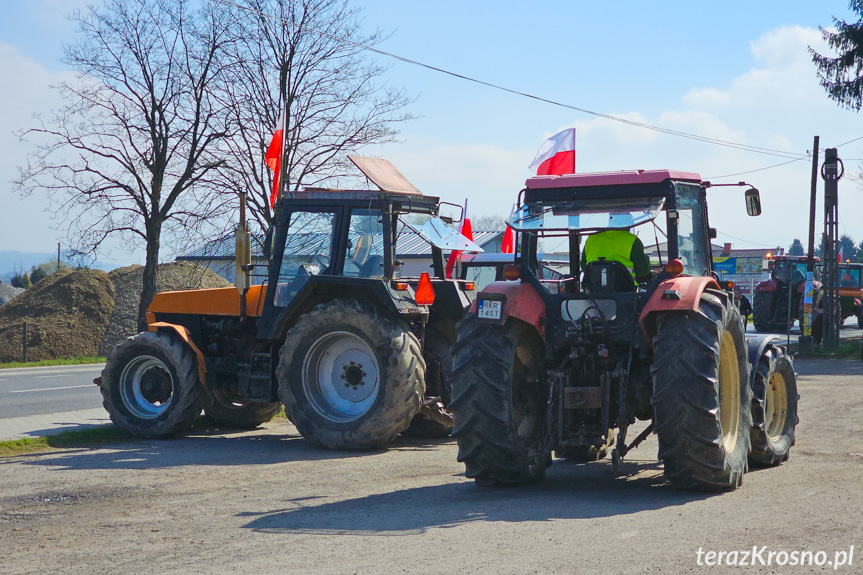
column 758, row 169
column 705, row 139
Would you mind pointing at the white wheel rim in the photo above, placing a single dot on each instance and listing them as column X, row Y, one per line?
column 341, row 376
column 146, row 387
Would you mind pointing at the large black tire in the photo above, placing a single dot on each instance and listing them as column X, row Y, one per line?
column 434, row 421
column 762, row 319
column 225, row 409
column 701, row 395
column 498, row 404
column 369, row 399
column 150, row 385
column 774, row 408
column 860, row 318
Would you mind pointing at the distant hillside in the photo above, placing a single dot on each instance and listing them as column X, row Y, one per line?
column 13, row 261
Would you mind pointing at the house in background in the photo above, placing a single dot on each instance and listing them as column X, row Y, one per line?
column 745, row 267
column 218, row 255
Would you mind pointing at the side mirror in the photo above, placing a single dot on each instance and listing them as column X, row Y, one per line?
column 753, row 202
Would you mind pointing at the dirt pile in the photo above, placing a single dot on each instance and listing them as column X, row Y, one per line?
column 7, row 292
column 66, row 314
column 128, row 283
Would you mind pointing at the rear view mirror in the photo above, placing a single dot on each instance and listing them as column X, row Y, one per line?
column 753, row 202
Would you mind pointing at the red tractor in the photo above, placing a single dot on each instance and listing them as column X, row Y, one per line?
column 546, row 367
column 778, row 301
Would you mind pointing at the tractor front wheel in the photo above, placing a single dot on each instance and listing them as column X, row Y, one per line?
column 774, row 408
column 150, row 385
column 701, row 395
column 498, row 403
column 350, row 377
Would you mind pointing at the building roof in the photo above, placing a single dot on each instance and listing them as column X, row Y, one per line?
column 409, row 245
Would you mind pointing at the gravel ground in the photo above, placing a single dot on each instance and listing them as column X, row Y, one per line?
column 266, row 501
column 128, row 283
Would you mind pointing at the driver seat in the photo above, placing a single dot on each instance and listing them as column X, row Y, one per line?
column 607, row 276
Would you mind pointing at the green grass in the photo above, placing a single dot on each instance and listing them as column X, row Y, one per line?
column 65, row 439
column 80, row 360
column 848, row 349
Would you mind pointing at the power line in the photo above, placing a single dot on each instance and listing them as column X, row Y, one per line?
column 705, row 139
column 758, row 169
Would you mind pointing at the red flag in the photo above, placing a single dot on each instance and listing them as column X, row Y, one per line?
column 274, row 157
column 507, row 245
column 841, row 248
column 467, row 232
column 556, row 156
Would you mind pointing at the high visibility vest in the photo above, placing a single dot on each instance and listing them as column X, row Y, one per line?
column 613, row 245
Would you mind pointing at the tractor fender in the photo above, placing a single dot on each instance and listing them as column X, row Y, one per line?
column 674, row 294
column 757, row 345
column 184, row 335
column 522, row 302
column 767, row 286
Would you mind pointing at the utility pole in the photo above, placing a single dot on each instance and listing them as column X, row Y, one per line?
column 831, row 173
column 806, row 321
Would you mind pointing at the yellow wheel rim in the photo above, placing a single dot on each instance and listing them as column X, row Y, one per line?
column 776, row 406
column 729, row 391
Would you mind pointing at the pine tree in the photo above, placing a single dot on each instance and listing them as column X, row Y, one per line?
column 842, row 77
column 796, row 248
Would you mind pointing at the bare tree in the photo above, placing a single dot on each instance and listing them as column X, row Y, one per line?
column 488, row 223
column 131, row 149
column 309, row 50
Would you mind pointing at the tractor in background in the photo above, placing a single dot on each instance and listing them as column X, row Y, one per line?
column 564, row 367
column 851, row 291
column 778, row 302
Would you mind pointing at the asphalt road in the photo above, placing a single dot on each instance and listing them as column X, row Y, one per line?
column 44, row 390
column 266, row 501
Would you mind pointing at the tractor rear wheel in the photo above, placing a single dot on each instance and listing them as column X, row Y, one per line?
column 499, row 404
column 350, row 377
column 434, row 421
column 231, row 410
column 761, row 308
column 860, row 318
column 701, row 395
column 774, row 408
column 150, row 385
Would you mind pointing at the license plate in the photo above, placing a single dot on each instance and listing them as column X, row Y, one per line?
column 489, row 309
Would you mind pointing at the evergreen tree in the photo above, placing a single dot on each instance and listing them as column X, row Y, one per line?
column 842, row 76
column 847, row 247
column 796, row 248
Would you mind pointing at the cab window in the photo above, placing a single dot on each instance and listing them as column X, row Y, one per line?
column 308, row 252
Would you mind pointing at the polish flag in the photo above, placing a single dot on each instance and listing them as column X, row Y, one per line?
column 467, row 232
column 841, row 248
column 274, row 157
column 556, row 156
column 507, row 246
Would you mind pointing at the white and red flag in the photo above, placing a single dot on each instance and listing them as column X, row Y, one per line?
column 274, row 157
column 556, row 155
column 467, row 232
column 507, row 245
column 841, row 250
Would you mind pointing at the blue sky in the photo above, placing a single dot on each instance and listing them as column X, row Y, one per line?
column 733, row 70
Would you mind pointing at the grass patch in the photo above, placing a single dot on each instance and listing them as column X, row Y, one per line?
column 73, row 438
column 848, row 349
column 80, row 360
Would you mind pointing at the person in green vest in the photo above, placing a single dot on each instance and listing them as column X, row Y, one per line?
column 620, row 245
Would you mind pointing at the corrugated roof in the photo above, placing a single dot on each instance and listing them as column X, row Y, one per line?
column 408, row 244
